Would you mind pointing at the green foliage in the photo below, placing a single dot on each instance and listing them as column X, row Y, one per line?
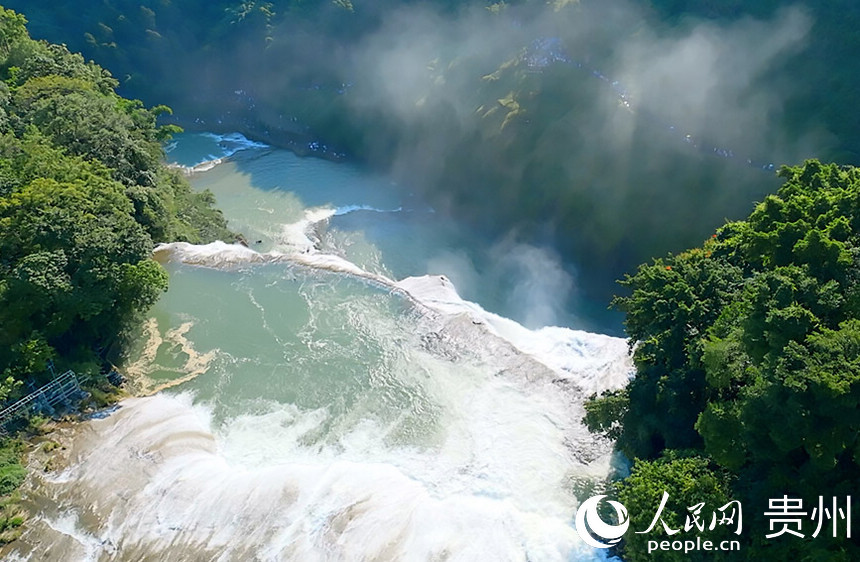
column 11, row 471
column 12, row 474
column 102, row 393
column 83, row 197
column 604, row 414
column 796, row 422
column 74, row 260
column 692, row 482
column 73, row 114
column 748, row 350
column 672, row 303
column 13, row 34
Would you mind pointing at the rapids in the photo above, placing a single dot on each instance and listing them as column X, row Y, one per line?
column 328, row 394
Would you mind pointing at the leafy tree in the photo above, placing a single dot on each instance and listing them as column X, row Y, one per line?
column 698, row 504
column 672, row 304
column 752, row 345
column 605, row 415
column 83, row 196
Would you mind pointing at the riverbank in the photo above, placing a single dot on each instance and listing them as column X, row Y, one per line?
column 43, row 446
column 36, row 444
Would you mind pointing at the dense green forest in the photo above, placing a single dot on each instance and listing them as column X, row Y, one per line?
column 445, row 96
column 84, row 194
column 747, row 348
column 747, row 361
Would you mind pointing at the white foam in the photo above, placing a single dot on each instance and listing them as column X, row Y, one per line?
column 200, row 167
column 229, row 145
column 337, row 264
column 492, row 481
column 593, row 361
column 346, row 209
column 218, row 255
column 89, row 547
column 205, row 166
column 232, row 143
column 295, row 243
column 492, row 489
column 301, row 236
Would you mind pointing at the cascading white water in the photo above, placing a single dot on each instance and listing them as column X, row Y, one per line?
column 326, row 411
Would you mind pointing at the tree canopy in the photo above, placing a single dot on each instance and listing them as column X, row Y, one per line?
column 83, row 196
column 747, row 352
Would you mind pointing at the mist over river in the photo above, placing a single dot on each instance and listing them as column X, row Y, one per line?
column 368, row 380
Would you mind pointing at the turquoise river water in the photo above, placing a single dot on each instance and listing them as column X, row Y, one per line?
column 367, row 381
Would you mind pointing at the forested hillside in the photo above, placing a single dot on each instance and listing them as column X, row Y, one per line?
column 517, row 103
column 83, row 196
column 291, row 46
column 748, row 369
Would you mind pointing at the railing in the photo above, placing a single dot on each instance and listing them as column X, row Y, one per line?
column 62, row 389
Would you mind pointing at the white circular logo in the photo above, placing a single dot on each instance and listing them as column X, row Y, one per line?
column 587, row 513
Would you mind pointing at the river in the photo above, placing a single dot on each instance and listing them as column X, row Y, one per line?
column 367, row 381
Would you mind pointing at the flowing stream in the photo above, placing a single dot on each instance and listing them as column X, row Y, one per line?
column 328, row 394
